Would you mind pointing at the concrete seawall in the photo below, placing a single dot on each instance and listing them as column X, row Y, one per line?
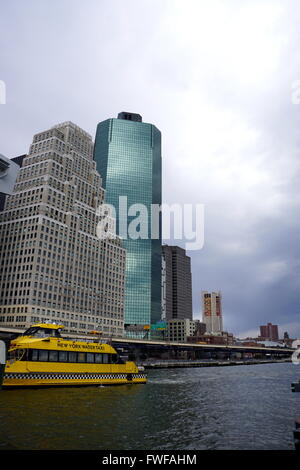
column 178, row 364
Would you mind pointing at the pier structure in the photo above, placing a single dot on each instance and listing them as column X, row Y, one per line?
column 149, row 352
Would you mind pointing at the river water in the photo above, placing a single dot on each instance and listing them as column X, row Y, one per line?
column 234, row 407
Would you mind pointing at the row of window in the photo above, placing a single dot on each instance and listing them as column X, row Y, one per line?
column 43, row 355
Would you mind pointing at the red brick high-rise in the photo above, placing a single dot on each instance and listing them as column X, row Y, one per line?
column 269, row 332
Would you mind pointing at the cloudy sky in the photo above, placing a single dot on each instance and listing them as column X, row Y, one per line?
column 220, row 80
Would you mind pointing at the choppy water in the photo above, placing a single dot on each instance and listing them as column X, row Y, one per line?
column 241, row 407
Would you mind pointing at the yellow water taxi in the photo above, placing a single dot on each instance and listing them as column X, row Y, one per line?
column 42, row 357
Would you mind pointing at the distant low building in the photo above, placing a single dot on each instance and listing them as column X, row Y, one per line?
column 249, row 343
column 208, row 339
column 261, row 342
column 230, row 340
column 223, row 338
column 272, row 344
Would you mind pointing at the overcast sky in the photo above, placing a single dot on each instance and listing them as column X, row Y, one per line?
column 216, row 77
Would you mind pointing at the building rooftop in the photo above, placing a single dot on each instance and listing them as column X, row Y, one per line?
column 130, row 116
column 73, row 126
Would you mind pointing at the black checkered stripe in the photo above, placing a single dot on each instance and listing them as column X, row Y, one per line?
column 64, row 376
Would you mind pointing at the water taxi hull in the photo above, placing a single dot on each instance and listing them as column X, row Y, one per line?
column 41, row 357
column 16, row 380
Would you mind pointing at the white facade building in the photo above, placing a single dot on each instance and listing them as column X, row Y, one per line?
column 53, row 265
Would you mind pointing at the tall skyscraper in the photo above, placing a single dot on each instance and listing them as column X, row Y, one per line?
column 128, row 156
column 212, row 311
column 269, row 332
column 53, row 265
column 177, row 283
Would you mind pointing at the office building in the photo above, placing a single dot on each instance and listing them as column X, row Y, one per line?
column 179, row 330
column 128, row 156
column 177, row 283
column 269, row 332
column 53, row 266
column 212, row 311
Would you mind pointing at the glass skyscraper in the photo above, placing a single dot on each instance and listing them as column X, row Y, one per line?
column 128, row 156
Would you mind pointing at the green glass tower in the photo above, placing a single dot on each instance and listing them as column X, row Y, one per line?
column 127, row 152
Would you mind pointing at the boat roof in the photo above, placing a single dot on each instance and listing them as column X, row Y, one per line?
column 50, row 326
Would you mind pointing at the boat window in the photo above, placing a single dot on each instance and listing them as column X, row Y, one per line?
column 105, row 358
column 21, row 354
column 34, row 354
column 72, row 356
column 114, row 358
column 89, row 357
column 63, row 356
column 55, row 333
column 17, row 355
column 31, row 331
column 42, row 333
column 53, row 356
column 81, row 357
column 98, row 358
column 43, row 355
column 38, row 332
